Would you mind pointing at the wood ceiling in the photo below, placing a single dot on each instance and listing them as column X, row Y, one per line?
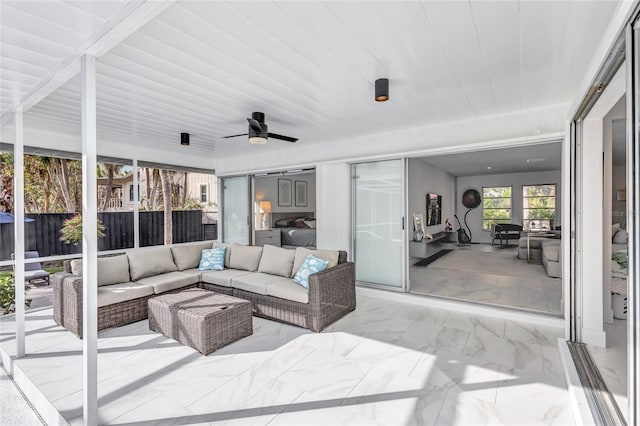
column 202, row 67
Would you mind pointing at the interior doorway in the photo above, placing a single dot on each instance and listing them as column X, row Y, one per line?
column 486, row 227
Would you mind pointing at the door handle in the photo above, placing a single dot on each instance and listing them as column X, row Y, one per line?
column 403, row 223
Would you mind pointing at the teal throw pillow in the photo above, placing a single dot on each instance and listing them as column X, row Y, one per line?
column 213, row 259
column 311, row 265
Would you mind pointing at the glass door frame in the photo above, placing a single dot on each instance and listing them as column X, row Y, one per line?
column 403, row 288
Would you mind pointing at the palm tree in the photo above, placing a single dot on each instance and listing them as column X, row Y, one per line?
column 166, row 198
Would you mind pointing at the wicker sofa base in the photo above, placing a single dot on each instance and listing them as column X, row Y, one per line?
column 110, row 316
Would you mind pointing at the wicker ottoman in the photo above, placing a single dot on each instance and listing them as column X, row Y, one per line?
column 200, row 318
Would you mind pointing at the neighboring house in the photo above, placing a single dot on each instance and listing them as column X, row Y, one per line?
column 199, row 186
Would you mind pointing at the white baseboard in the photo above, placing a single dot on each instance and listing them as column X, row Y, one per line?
column 593, row 337
column 468, row 308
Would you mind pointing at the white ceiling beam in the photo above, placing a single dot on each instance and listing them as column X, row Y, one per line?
column 131, row 17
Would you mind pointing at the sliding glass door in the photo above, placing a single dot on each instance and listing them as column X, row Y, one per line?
column 235, row 210
column 378, row 222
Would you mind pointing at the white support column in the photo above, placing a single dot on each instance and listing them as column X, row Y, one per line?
column 136, row 206
column 18, row 209
column 89, row 242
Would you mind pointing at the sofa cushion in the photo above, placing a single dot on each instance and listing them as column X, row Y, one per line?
column 621, row 237
column 276, row 261
column 187, row 256
column 149, row 262
column 195, row 272
column 116, row 293
column 255, row 283
column 331, row 256
column 287, row 289
column 76, row 267
column 222, row 277
column 245, row 257
column 551, row 252
column 227, row 255
column 113, row 270
column 311, row 265
column 212, row 259
column 170, row 281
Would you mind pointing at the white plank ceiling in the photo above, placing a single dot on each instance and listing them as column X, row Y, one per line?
column 202, row 67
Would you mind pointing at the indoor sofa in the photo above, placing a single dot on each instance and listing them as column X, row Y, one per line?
column 262, row 275
column 545, row 250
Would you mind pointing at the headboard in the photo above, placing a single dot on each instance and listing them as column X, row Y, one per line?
column 277, row 216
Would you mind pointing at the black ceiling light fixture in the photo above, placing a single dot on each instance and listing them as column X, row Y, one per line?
column 184, row 139
column 382, row 90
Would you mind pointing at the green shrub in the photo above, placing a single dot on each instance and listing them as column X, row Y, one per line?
column 72, row 230
column 7, row 294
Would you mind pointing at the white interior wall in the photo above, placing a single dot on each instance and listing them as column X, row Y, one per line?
column 425, row 178
column 516, row 181
column 333, row 212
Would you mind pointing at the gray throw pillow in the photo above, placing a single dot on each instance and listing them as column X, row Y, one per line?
column 187, row 256
column 246, row 258
column 227, row 255
column 330, row 256
column 149, row 262
column 276, row 261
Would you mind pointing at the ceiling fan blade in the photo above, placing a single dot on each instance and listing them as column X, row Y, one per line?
column 233, row 136
column 282, row 138
column 254, row 125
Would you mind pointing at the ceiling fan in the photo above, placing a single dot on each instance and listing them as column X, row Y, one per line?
column 259, row 131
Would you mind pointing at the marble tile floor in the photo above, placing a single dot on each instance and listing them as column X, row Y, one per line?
column 386, row 363
column 489, row 275
column 612, row 362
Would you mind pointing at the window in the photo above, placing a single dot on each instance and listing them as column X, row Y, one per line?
column 538, row 206
column 496, row 205
column 131, row 192
column 204, row 193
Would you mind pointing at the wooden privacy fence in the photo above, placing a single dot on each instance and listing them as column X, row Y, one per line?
column 43, row 234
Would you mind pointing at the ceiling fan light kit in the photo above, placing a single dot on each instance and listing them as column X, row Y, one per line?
column 257, row 140
column 382, row 89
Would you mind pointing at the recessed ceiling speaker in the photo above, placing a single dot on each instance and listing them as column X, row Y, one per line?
column 184, row 139
column 382, row 90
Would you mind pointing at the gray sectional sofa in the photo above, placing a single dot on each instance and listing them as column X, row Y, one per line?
column 262, row 275
column 548, row 251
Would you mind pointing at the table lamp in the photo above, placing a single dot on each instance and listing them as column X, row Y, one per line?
column 265, row 209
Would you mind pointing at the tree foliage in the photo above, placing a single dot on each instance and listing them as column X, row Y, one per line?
column 8, row 294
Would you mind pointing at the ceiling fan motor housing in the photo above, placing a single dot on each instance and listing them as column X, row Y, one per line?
column 258, row 116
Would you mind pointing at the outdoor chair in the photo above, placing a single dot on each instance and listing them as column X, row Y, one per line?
column 33, row 271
